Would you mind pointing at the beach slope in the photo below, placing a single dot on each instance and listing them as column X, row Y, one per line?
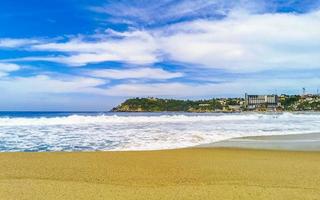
column 199, row 173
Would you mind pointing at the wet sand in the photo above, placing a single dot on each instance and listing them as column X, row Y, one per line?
column 294, row 142
column 198, row 173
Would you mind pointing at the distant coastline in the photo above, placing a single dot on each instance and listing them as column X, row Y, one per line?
column 287, row 103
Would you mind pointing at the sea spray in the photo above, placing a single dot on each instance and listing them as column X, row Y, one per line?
column 143, row 131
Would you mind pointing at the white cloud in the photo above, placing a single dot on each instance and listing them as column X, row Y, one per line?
column 245, row 42
column 166, row 11
column 145, row 73
column 14, row 43
column 241, row 42
column 137, row 47
column 6, row 68
column 51, row 85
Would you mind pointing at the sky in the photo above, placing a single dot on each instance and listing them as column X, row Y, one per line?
column 81, row 55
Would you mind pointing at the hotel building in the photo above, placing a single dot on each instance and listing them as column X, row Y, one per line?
column 259, row 101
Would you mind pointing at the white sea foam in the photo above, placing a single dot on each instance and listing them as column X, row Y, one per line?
column 136, row 132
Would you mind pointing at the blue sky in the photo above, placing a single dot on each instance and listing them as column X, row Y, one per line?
column 91, row 55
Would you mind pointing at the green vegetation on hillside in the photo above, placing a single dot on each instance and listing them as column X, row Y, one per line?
column 287, row 103
column 162, row 105
column 301, row 103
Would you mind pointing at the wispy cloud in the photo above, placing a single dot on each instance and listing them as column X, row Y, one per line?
column 6, row 68
column 234, row 37
column 15, row 43
column 136, row 47
column 142, row 12
column 51, row 84
column 246, row 42
column 242, row 42
column 136, row 73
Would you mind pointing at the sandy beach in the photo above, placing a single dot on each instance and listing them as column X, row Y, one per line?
column 199, row 173
column 159, row 100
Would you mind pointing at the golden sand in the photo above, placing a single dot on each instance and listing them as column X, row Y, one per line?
column 174, row 174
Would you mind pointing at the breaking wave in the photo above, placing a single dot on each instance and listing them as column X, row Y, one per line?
column 75, row 132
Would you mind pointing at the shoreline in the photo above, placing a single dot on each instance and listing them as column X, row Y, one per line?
column 290, row 142
column 219, row 170
column 239, row 168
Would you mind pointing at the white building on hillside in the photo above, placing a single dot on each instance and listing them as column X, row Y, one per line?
column 258, row 101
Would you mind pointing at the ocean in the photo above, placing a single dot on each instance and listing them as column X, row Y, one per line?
column 107, row 131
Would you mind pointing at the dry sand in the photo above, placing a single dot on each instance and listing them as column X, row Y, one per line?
column 174, row 174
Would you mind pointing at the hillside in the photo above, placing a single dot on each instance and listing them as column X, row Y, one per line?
column 171, row 105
